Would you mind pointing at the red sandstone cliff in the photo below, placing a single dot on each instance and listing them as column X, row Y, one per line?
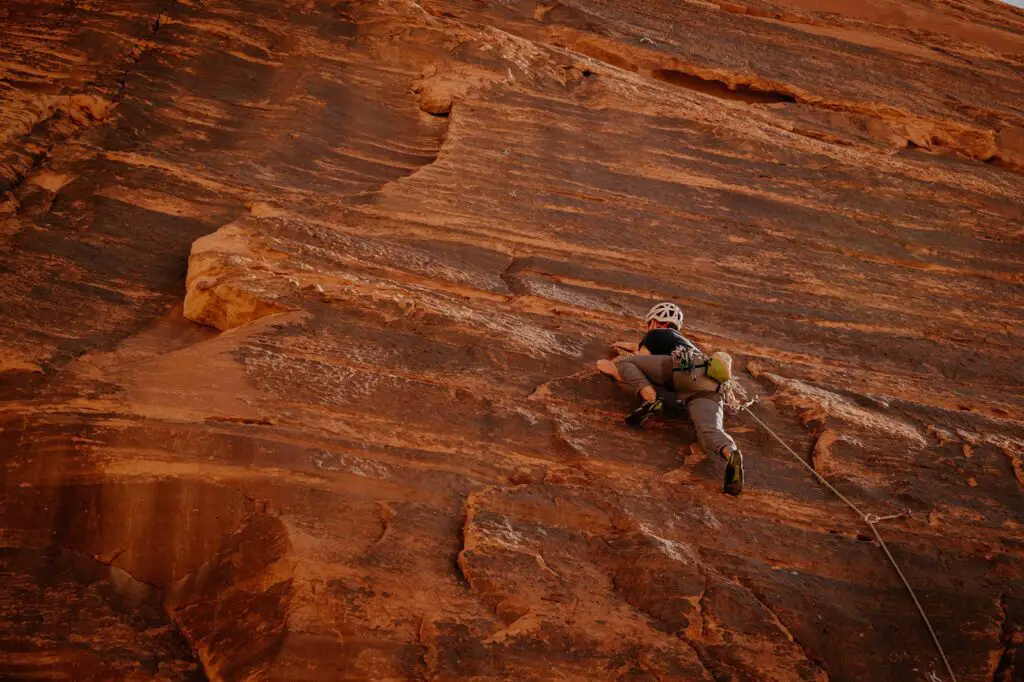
column 301, row 301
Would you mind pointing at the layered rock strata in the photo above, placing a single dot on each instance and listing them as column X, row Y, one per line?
column 302, row 301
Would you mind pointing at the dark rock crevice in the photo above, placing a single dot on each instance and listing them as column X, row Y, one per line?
column 160, row 592
column 1006, row 668
column 68, row 120
column 135, row 55
column 736, row 92
column 134, row 633
column 708, row 662
column 510, row 276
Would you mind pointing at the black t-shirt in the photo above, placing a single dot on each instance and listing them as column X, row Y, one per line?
column 664, row 341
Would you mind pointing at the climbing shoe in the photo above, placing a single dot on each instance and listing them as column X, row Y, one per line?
column 734, row 473
column 641, row 414
column 671, row 405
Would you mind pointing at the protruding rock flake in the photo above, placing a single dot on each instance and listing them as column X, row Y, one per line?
column 303, row 305
column 819, row 404
column 229, row 283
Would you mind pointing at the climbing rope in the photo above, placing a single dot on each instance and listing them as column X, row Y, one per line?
column 871, row 520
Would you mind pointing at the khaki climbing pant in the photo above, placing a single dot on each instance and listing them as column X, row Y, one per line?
column 703, row 404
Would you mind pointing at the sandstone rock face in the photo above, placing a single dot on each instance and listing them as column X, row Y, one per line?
column 302, row 300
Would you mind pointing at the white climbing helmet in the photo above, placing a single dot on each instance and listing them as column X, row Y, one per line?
column 666, row 312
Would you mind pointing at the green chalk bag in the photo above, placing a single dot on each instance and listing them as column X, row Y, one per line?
column 719, row 367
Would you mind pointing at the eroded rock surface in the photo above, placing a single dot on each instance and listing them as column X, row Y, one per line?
column 302, row 301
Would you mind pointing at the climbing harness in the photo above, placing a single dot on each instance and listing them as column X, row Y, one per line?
column 871, row 519
column 689, row 359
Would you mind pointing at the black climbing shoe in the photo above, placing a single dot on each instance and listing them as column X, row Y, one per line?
column 671, row 405
column 734, row 473
column 641, row 414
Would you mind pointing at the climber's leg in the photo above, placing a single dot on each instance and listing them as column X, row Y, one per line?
column 706, row 415
column 642, row 373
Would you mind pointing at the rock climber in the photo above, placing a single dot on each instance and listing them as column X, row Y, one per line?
column 666, row 361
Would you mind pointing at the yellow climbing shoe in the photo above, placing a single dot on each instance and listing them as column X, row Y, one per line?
column 734, row 473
